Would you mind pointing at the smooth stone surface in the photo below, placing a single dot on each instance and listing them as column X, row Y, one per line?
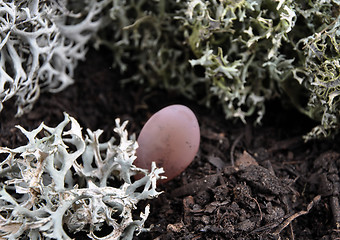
column 171, row 138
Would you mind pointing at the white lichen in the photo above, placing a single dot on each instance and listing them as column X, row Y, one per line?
column 40, row 45
column 60, row 183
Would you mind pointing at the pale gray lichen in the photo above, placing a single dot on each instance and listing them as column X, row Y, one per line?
column 147, row 44
column 60, row 183
column 237, row 43
column 40, row 45
column 240, row 52
column 320, row 74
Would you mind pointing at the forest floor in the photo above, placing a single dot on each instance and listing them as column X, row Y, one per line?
column 246, row 182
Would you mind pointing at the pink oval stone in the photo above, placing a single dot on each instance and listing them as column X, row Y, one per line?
column 170, row 138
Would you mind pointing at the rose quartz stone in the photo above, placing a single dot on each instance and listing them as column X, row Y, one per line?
column 171, row 138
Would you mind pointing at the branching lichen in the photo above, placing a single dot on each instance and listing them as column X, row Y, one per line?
column 242, row 52
column 147, row 44
column 60, row 183
column 237, row 43
column 238, row 52
column 40, row 45
column 320, row 74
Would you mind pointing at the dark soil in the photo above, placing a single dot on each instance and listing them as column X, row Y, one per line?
column 247, row 182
